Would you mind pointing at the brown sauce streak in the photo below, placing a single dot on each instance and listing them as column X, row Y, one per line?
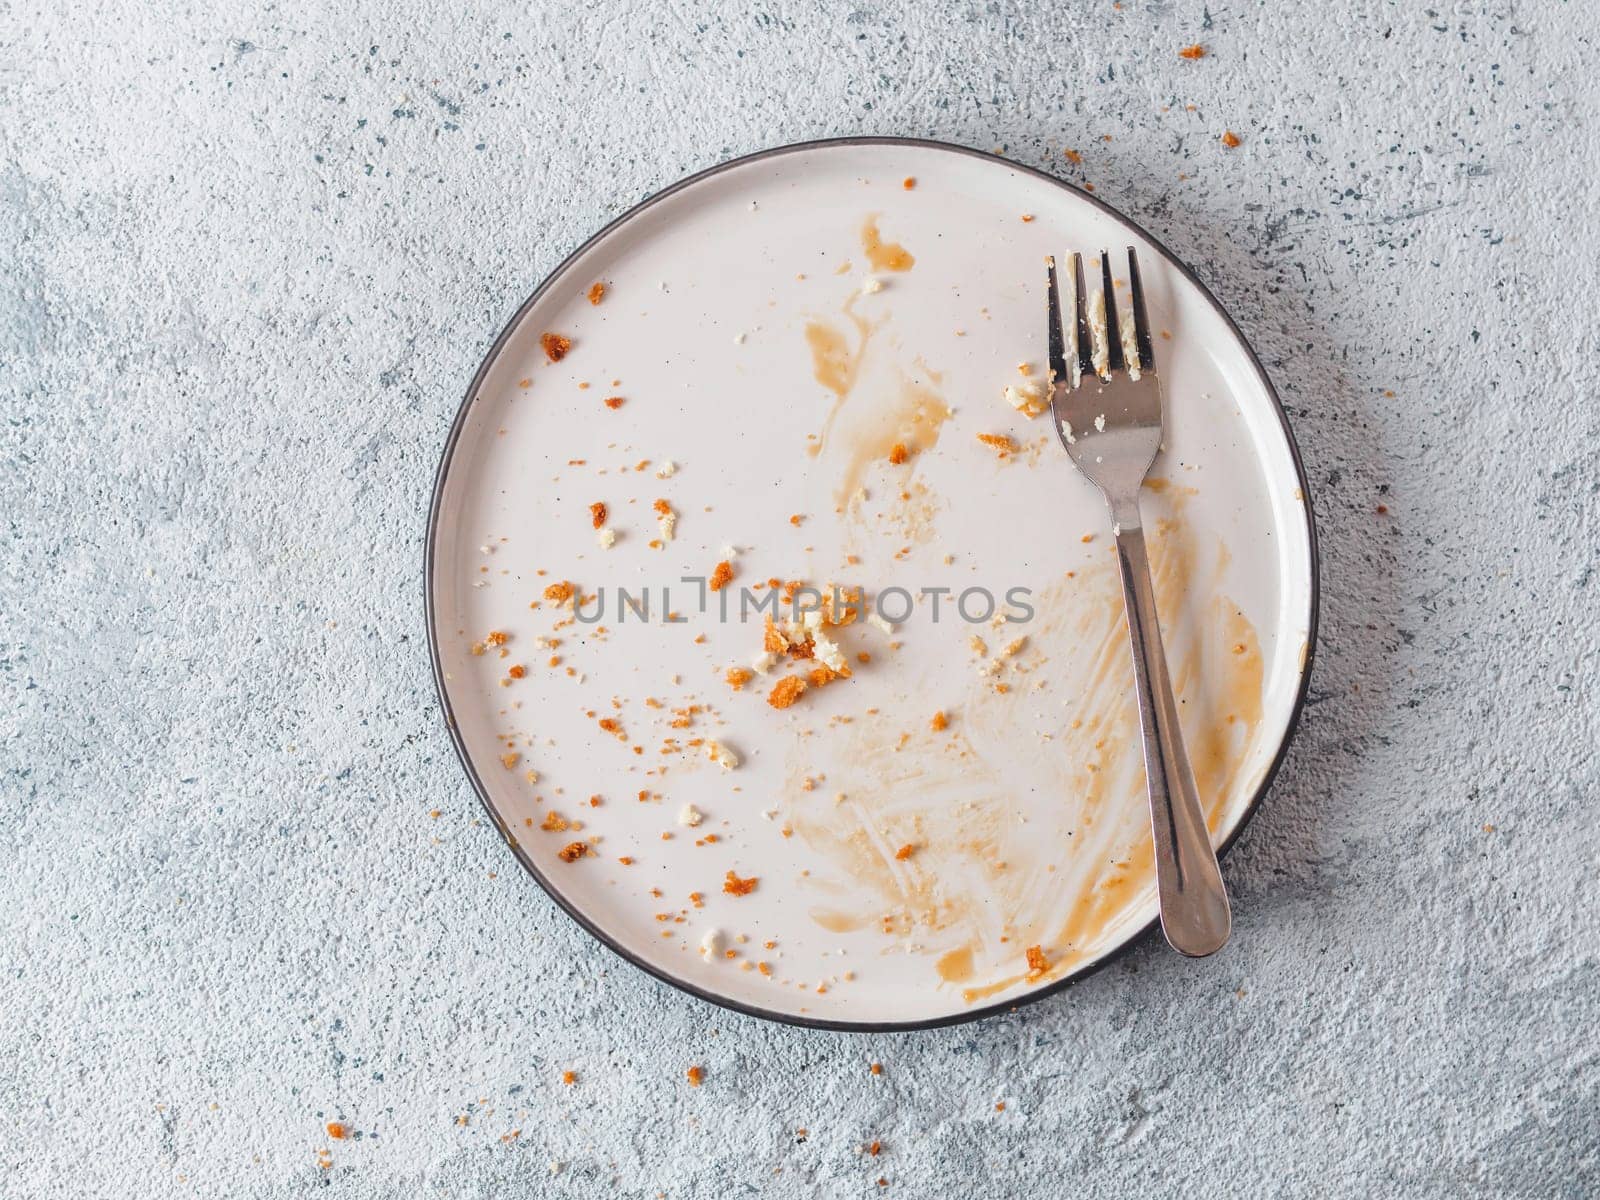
column 884, row 256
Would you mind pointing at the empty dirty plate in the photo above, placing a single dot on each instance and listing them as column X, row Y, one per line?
column 925, row 802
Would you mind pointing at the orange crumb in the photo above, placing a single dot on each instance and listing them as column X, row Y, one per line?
column 524, row 384
column 509, row 760
column 940, row 722
column 517, row 671
column 697, row 1076
column 796, row 519
column 1026, row 217
column 558, row 593
column 626, row 860
column 875, row 1149
column 905, row 852
column 1230, row 139
column 737, row 677
column 1002, row 444
column 496, row 638
column 908, row 182
column 1194, row 51
column 735, row 886
column 555, row 346
column 597, row 513
column 1073, row 157
column 337, row 1131
column 572, row 852
column 569, row 1077
column 597, row 292
column 613, row 402
column 786, row 691
column 898, row 453
column 553, row 822
column 1000, row 1106
column 1038, row 964
column 721, row 576
column 876, row 1068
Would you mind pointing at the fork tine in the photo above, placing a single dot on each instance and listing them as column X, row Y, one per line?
column 1058, row 350
column 1113, row 334
column 1141, row 320
column 1080, row 296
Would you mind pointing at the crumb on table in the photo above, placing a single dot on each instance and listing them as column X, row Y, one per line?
column 573, row 851
column 735, row 886
column 555, row 346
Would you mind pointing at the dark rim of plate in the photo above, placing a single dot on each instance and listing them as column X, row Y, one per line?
column 522, row 855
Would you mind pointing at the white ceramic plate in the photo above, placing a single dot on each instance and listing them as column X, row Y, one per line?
column 903, row 872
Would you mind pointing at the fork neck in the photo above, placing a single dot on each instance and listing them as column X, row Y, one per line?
column 1125, row 510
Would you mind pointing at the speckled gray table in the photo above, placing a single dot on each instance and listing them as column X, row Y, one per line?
column 250, row 259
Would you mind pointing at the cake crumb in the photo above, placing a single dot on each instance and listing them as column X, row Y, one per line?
column 905, row 852
column 1038, row 964
column 666, row 519
column 597, row 513
column 735, row 886
column 597, row 292
column 898, row 453
column 786, row 691
column 1230, row 139
column 1002, row 444
column 737, row 677
column 555, row 346
column 1192, row 52
column 1027, row 398
column 573, row 851
column 939, row 722
column 697, row 1076
column 337, row 1130
column 721, row 576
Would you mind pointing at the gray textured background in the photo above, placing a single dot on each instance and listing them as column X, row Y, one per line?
column 250, row 258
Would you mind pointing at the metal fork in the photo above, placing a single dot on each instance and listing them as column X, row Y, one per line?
column 1107, row 410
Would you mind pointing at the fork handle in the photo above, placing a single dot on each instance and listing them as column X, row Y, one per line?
column 1193, row 900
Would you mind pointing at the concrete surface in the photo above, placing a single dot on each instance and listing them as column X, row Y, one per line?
column 250, row 259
